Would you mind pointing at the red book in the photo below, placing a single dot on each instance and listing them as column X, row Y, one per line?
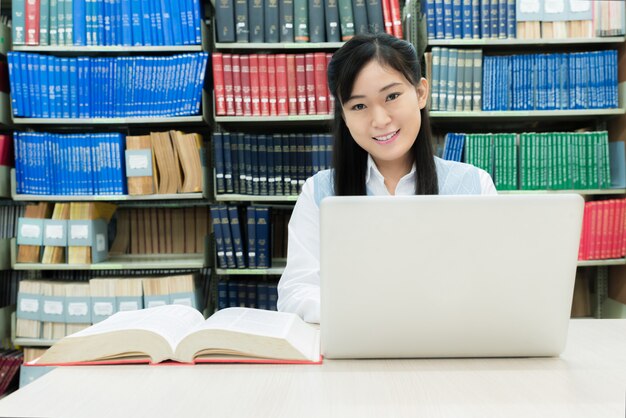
column 621, row 242
column 321, row 86
column 245, row 85
column 309, row 72
column 31, row 26
column 228, row 84
column 331, row 99
column 301, row 84
column 254, row 85
column 264, row 85
column 594, row 231
column 396, row 18
column 6, row 150
column 387, row 16
column 218, row 84
column 237, row 84
column 282, row 96
column 292, row 86
column 271, row 79
column 613, row 232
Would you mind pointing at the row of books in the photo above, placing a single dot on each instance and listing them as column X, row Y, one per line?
column 247, row 294
column 54, row 309
column 54, row 237
column 456, row 79
column 238, row 246
column 45, row 86
column 9, row 214
column 470, row 19
column 537, row 161
column 580, row 80
column 604, row 231
column 106, row 22
column 305, row 20
column 271, row 84
column 268, row 164
column 160, row 230
column 9, row 280
column 10, row 363
column 570, row 19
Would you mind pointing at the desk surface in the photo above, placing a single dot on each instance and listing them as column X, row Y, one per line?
column 588, row 380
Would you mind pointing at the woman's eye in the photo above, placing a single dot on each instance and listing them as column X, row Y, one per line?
column 358, row 107
column 393, row 96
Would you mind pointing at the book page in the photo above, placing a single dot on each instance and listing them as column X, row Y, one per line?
column 250, row 321
column 172, row 322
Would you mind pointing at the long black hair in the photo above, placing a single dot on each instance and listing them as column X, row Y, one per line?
column 349, row 159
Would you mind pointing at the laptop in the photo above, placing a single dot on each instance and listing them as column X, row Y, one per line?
column 447, row 276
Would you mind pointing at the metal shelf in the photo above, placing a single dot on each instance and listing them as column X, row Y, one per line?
column 580, row 192
column 73, row 49
column 265, row 119
column 277, row 270
column 437, row 116
column 108, row 121
column 254, row 198
column 489, row 42
column 607, row 262
column 279, row 46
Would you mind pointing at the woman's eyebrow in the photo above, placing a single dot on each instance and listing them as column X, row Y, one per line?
column 387, row 87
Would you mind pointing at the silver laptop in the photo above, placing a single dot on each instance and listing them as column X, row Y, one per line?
column 448, row 276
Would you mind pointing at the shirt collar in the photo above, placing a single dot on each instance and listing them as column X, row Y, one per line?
column 373, row 169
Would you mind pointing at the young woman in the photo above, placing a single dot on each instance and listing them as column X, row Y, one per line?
column 382, row 146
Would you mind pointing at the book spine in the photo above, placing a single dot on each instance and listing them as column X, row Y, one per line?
column 242, row 28
column 359, row 11
column 317, row 27
column 375, row 20
column 254, row 85
column 292, row 86
column 319, row 61
column 301, row 20
column 282, row 95
column 331, row 13
column 245, row 85
column 264, row 86
column 301, row 84
column 272, row 21
column 255, row 17
column 263, row 237
column 309, row 61
column 32, row 22
column 286, row 21
column 346, row 19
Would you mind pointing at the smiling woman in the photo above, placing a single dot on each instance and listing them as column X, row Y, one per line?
column 382, row 146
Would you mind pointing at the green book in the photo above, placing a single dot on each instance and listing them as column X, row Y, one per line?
column 301, row 20
column 54, row 22
column 69, row 22
column 346, row 19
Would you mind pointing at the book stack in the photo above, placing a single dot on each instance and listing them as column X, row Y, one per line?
column 268, row 164
column 105, row 87
column 10, row 362
column 247, row 294
column 106, row 22
column 456, row 78
column 248, row 237
column 305, row 20
column 271, row 84
column 537, row 161
column 161, row 230
column 54, row 309
column 580, row 80
column 603, row 234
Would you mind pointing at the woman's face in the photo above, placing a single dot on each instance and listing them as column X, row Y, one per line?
column 383, row 115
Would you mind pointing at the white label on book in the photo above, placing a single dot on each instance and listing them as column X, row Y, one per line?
column 138, row 162
column 579, row 6
column 29, row 305
column 228, row 176
column 100, row 243
column 30, row 231
column 53, row 307
column 77, row 309
column 554, row 6
column 79, row 232
column 182, row 301
column 154, row 303
column 54, row 231
column 529, row 6
column 130, row 305
column 103, row 308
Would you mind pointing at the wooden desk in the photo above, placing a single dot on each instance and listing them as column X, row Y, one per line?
column 588, row 380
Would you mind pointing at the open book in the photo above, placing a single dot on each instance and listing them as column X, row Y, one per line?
column 180, row 333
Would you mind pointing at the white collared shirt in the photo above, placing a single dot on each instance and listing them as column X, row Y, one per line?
column 299, row 286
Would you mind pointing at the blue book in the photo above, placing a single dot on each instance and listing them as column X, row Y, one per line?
column 177, row 29
column 430, row 18
column 53, row 33
column 126, row 22
column 511, row 21
column 359, row 13
column 262, row 143
column 502, row 18
column 254, row 163
column 251, row 295
column 439, row 18
column 225, row 21
column 242, row 293
column 228, row 167
column 271, row 175
column 476, row 19
column 466, row 19
column 136, row 22
column 15, row 83
column 18, row 22
column 241, row 164
column 261, row 296
column 100, row 21
column 228, row 240
column 222, row 295
column 233, row 293
column 185, row 23
column 272, row 296
column 44, row 84
column 197, row 19
column 278, row 165
column 218, row 156
column 146, row 22
column 485, row 18
column 251, row 236
column 44, row 22
column 34, row 89
column 256, row 21
column 54, row 65
column 247, row 140
column 166, row 18
column 237, row 236
column 301, row 160
column 457, row 19
column 73, row 78
column 448, row 19
column 286, row 21
column 157, row 16
column 80, row 22
column 219, row 237
column 263, row 258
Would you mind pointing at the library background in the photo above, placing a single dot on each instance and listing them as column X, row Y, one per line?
column 151, row 152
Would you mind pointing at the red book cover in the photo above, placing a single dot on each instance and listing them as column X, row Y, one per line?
column 584, row 240
column 237, row 84
column 271, row 78
column 31, row 26
column 613, row 251
column 387, row 16
column 245, row 85
column 281, row 85
column 311, row 95
column 621, row 233
column 218, row 84
column 6, row 151
column 321, row 86
column 228, row 84
column 254, row 85
column 331, row 99
column 396, row 18
column 602, row 228
column 264, row 85
column 301, row 84
column 594, row 231
column 292, row 86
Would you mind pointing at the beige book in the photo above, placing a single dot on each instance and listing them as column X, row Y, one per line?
column 58, row 328
column 102, row 287
column 47, row 328
column 191, row 228
column 29, row 328
column 169, row 237
column 31, row 253
column 154, row 227
column 87, row 211
column 55, row 254
column 163, row 234
column 31, row 353
column 147, row 225
column 121, row 243
column 202, row 223
column 134, row 230
column 157, row 286
column 75, row 289
column 180, row 333
column 167, row 165
column 178, row 231
column 188, row 147
column 141, row 231
column 145, row 184
column 181, row 284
